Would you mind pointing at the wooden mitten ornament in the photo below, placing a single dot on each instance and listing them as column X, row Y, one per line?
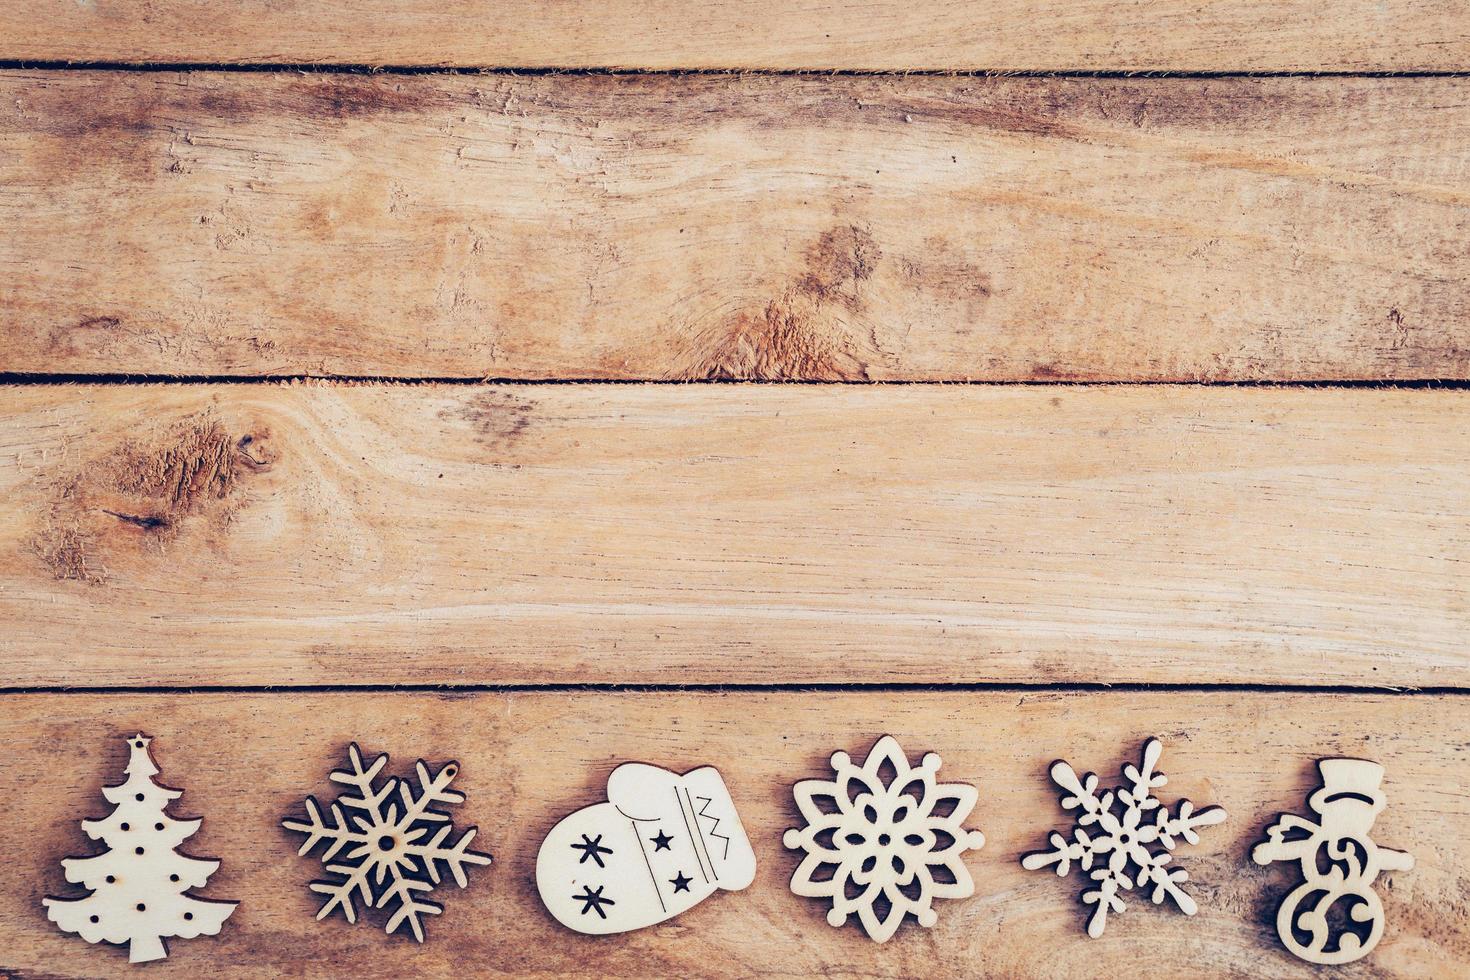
column 139, row 885
column 388, row 851
column 661, row 844
column 1339, row 863
column 1127, row 833
column 883, row 839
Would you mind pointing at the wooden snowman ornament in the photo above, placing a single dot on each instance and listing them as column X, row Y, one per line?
column 1339, row 863
column 659, row 845
column 138, row 888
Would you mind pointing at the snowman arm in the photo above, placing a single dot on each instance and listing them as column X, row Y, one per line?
column 1276, row 848
column 1391, row 860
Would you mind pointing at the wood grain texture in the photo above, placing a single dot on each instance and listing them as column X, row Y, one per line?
column 320, row 533
column 246, row 760
column 1219, row 35
column 689, row 227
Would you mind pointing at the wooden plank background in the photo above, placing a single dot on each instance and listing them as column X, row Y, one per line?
column 327, row 526
column 275, row 534
column 749, row 227
column 246, row 760
column 888, row 35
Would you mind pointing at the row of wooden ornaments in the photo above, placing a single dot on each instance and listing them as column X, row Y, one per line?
column 881, row 842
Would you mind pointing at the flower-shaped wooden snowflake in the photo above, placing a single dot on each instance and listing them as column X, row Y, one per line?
column 387, row 855
column 1123, row 837
column 884, row 840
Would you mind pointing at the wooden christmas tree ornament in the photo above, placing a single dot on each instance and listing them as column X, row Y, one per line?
column 1124, row 837
column 883, row 840
column 660, row 844
column 138, row 888
column 1334, row 916
column 390, row 850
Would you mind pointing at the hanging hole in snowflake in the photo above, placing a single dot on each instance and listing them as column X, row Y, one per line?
column 887, row 772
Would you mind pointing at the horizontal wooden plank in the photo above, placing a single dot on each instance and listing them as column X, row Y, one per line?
column 316, row 533
column 1222, row 35
column 246, row 760
column 755, row 227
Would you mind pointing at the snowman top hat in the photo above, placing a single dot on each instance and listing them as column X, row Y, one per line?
column 1349, row 779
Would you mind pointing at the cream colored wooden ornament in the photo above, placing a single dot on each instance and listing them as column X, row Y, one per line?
column 389, row 851
column 1339, row 863
column 875, row 845
column 661, row 844
column 1124, row 837
column 139, row 886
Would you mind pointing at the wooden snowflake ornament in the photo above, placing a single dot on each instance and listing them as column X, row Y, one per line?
column 389, row 851
column 883, row 840
column 1123, row 837
column 1339, row 863
column 138, row 888
column 659, row 845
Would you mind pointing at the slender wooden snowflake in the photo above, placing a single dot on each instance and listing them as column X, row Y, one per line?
column 386, row 855
column 883, row 840
column 1123, row 837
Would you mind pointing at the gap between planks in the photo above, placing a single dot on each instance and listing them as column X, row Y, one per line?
column 327, row 68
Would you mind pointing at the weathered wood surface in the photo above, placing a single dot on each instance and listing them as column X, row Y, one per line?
column 328, row 533
column 1220, row 35
column 246, row 760
column 685, row 227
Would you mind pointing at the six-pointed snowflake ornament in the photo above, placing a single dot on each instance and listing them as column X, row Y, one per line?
column 883, row 839
column 389, row 850
column 1124, row 837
